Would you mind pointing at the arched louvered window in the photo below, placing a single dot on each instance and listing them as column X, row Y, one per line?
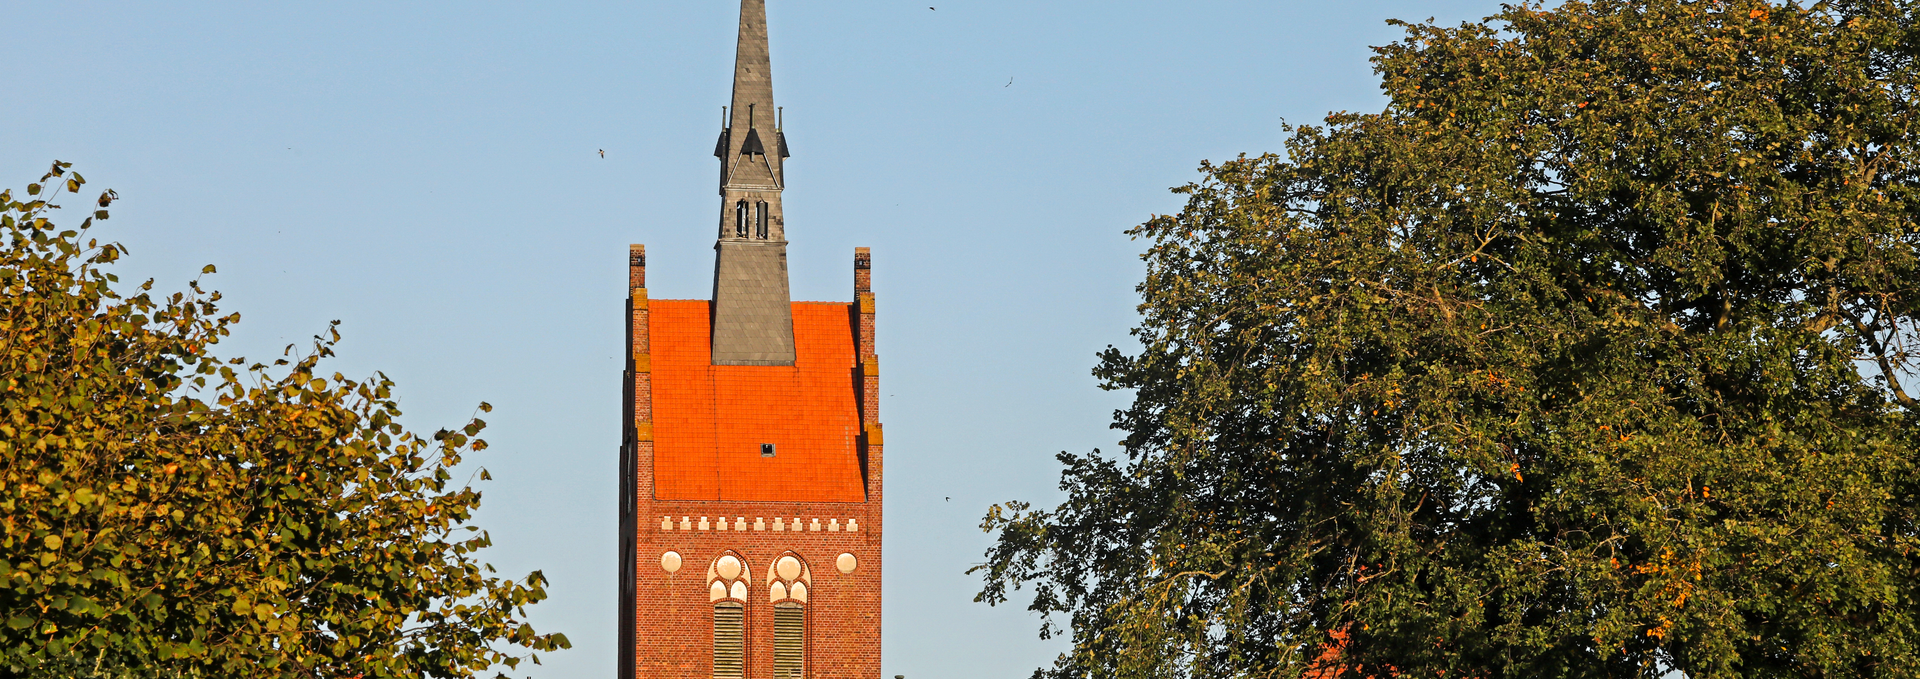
column 727, row 582
column 729, row 640
column 790, row 579
column 741, row 217
column 789, row 640
column 760, row 221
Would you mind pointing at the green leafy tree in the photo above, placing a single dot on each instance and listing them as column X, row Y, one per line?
column 169, row 513
column 1583, row 358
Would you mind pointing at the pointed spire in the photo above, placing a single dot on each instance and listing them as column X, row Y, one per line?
column 752, row 116
column 752, row 316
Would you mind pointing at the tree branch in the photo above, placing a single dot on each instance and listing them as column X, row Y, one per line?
column 1872, row 338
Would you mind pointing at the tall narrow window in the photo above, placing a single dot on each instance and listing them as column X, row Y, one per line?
column 788, row 592
column 760, row 221
column 789, row 640
column 729, row 640
column 727, row 582
column 741, row 218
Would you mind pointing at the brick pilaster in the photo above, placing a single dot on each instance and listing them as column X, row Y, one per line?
column 640, row 368
column 872, row 437
column 636, row 482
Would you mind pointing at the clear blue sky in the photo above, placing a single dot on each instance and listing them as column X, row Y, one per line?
column 428, row 174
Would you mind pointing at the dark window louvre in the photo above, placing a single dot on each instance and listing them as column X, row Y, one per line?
column 729, row 640
column 741, row 217
column 789, row 640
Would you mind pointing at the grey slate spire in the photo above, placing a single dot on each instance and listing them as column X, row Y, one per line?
column 752, row 306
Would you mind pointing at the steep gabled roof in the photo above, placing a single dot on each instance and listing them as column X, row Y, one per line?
column 710, row 420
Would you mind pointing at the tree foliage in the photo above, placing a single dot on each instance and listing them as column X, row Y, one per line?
column 1583, row 358
column 166, row 511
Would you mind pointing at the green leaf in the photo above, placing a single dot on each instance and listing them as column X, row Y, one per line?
column 1537, row 369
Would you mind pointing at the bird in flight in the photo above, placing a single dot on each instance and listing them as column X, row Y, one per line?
column 1009, row 83
column 603, row 153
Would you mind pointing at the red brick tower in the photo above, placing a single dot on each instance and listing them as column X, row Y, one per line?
column 750, row 515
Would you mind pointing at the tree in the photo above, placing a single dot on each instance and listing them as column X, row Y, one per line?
column 1583, row 358
column 170, row 512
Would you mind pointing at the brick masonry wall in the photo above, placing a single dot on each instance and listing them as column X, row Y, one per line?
column 667, row 617
column 674, row 631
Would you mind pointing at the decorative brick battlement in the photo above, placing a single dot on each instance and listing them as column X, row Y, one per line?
column 779, row 524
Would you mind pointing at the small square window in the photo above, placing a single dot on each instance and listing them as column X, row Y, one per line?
column 766, row 450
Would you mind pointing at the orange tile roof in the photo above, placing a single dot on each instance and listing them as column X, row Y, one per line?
column 709, row 420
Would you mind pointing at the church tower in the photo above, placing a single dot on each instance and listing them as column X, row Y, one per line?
column 750, row 472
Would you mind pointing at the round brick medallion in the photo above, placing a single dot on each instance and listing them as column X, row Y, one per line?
column 670, row 561
column 729, row 567
column 846, row 563
column 788, row 568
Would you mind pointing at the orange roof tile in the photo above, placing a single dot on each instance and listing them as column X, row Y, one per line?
column 709, row 420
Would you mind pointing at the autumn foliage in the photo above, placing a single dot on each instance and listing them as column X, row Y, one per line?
column 171, row 513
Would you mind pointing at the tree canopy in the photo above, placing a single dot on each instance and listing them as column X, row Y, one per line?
column 169, row 512
column 1582, row 358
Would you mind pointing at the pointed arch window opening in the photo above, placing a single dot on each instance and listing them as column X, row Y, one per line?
column 728, row 582
column 741, row 217
column 760, row 220
column 788, row 582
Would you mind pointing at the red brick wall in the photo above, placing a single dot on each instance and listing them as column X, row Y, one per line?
column 674, row 614
column 667, row 618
